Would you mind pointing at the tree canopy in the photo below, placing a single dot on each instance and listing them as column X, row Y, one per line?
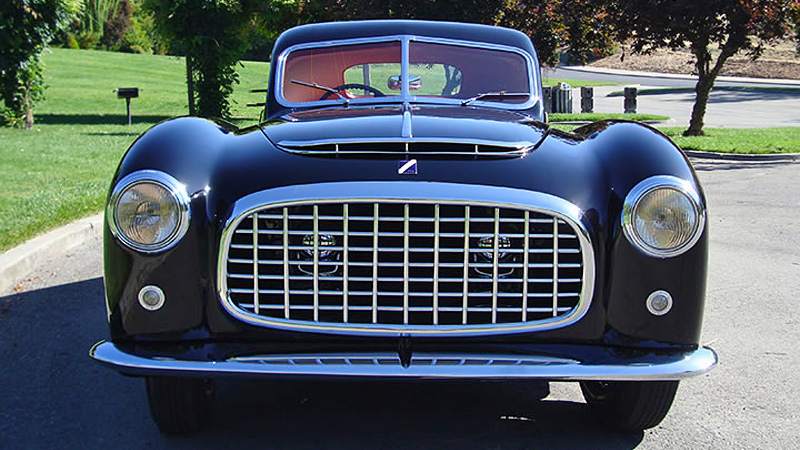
column 26, row 26
column 213, row 35
column 714, row 31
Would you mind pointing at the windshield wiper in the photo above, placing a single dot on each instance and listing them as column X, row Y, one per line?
column 322, row 88
column 499, row 95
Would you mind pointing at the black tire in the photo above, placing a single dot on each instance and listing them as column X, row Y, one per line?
column 179, row 405
column 629, row 405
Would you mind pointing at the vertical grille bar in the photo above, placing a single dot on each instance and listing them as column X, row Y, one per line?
column 255, row 263
column 555, row 266
column 316, row 263
column 406, row 208
column 436, row 229
column 525, row 263
column 286, row 287
column 345, row 261
column 465, row 274
column 375, row 228
column 495, row 262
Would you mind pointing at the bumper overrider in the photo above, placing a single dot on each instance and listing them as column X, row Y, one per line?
column 598, row 363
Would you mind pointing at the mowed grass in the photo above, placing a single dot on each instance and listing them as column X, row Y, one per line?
column 739, row 140
column 61, row 170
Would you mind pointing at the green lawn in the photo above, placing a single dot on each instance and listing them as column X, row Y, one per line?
column 744, row 140
column 591, row 117
column 61, row 170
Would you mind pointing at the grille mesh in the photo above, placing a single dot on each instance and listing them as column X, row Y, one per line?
column 404, row 264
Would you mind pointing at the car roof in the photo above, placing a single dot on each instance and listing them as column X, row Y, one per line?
column 330, row 31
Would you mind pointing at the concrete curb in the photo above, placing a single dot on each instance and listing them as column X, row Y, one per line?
column 789, row 157
column 603, row 70
column 20, row 261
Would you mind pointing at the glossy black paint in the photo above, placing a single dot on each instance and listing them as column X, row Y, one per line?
column 594, row 168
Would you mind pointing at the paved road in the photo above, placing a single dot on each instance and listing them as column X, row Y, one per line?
column 725, row 109
column 53, row 396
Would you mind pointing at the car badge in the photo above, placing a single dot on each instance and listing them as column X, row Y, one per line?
column 408, row 167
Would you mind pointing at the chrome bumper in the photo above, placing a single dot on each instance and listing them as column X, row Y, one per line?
column 647, row 367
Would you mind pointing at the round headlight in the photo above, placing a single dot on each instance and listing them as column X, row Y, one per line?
column 149, row 211
column 663, row 216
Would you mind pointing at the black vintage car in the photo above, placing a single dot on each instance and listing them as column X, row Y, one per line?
column 403, row 211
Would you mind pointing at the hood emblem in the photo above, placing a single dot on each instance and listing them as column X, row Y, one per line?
column 408, row 167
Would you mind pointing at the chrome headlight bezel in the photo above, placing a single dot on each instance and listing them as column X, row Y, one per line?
column 644, row 188
column 177, row 193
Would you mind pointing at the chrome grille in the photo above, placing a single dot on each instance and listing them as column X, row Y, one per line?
column 422, row 267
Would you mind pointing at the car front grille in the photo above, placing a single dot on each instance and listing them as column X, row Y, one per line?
column 417, row 267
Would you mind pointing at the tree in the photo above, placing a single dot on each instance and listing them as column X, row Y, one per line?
column 552, row 25
column 726, row 26
column 213, row 35
column 570, row 26
column 26, row 27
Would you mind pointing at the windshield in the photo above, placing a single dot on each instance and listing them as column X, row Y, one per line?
column 437, row 72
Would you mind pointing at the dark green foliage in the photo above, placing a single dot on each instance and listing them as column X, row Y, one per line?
column 213, row 35
column 117, row 25
column 26, row 26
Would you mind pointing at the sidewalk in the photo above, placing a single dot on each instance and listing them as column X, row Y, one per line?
column 631, row 73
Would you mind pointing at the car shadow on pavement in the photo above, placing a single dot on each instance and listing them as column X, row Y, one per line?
column 403, row 415
column 55, row 396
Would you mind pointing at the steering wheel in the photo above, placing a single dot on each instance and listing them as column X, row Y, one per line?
column 344, row 87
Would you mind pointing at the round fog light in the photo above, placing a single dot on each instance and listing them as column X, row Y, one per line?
column 659, row 303
column 151, row 298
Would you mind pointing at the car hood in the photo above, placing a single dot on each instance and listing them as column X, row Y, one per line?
column 442, row 129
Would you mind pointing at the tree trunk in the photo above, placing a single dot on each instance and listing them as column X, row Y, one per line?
column 702, row 93
column 706, row 76
column 190, row 85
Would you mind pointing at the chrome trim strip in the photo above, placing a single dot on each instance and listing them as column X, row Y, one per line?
column 297, row 146
column 649, row 367
column 173, row 186
column 286, row 271
column 526, row 265
column 375, row 233
column 465, row 292
column 406, row 261
column 496, row 262
column 555, row 266
column 646, row 186
column 405, row 96
column 436, row 230
column 316, row 262
column 345, row 262
column 255, row 264
column 410, row 192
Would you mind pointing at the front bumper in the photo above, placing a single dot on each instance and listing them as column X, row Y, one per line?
column 642, row 366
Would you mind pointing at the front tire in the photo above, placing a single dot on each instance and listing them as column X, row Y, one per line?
column 629, row 405
column 179, row 405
